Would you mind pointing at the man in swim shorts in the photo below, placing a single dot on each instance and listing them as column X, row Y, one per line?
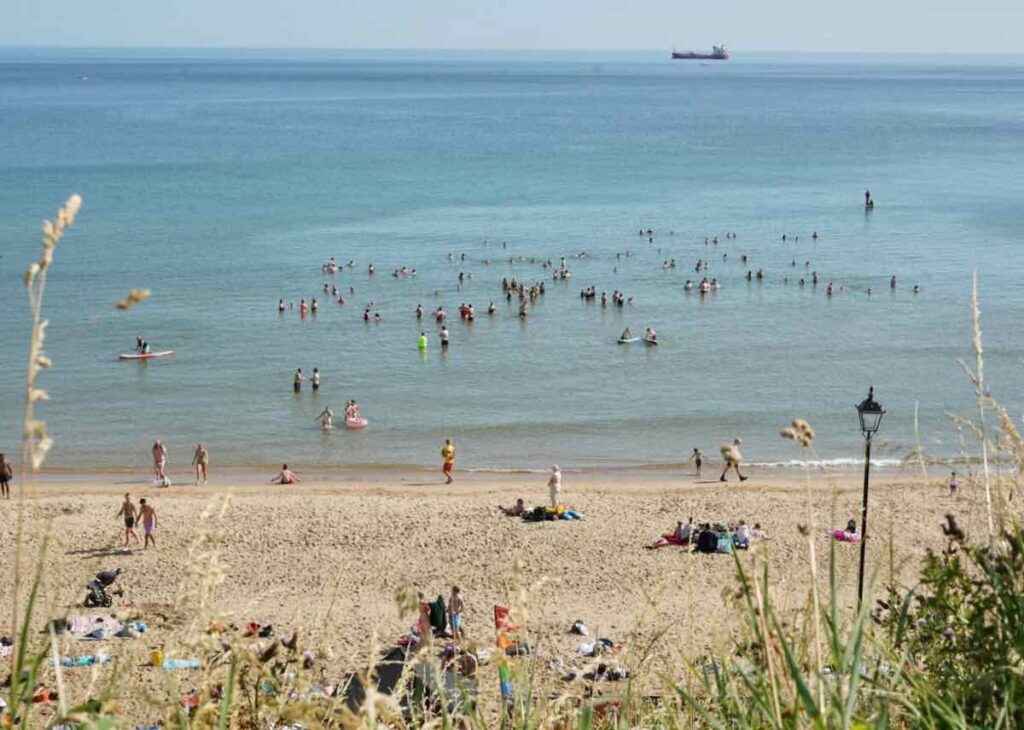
column 448, row 459
column 128, row 511
column 148, row 516
column 456, row 605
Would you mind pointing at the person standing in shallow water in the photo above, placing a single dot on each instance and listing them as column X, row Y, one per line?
column 201, row 461
column 448, row 460
column 732, row 457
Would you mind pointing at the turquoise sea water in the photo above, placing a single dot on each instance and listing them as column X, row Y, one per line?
column 222, row 181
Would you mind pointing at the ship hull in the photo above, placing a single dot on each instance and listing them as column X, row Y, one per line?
column 700, row 56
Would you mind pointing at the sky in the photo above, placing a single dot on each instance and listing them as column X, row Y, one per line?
column 928, row 26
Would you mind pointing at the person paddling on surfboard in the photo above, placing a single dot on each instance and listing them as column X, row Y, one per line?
column 626, row 334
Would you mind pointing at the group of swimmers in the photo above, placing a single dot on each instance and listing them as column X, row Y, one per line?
column 619, row 298
column 649, row 335
column 326, row 416
column 299, row 378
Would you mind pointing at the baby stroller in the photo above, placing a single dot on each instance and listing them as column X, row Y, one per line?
column 98, row 595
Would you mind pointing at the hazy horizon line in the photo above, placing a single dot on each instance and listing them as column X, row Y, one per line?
column 457, row 49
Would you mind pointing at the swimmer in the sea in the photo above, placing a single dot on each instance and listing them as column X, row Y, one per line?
column 326, row 419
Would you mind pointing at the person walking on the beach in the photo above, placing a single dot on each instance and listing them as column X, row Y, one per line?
column 160, row 462
column 6, row 474
column 129, row 511
column 555, row 485
column 148, row 516
column 697, row 457
column 448, row 460
column 456, row 605
column 952, row 484
column 201, row 461
column 732, row 457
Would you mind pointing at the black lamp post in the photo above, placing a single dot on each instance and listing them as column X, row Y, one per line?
column 870, row 413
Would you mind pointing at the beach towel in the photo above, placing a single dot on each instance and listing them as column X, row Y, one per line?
column 86, row 624
column 181, row 664
column 724, row 544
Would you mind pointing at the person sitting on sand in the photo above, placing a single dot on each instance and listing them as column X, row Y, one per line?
column 285, row 476
column 707, row 540
column 679, row 536
column 741, row 536
column 758, row 533
column 516, row 510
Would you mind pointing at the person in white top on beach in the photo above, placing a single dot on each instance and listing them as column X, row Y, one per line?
column 555, row 484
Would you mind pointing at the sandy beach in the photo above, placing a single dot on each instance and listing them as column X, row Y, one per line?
column 330, row 555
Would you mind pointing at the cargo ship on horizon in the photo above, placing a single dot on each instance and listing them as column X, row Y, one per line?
column 718, row 53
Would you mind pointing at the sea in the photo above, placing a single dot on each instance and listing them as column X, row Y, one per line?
column 221, row 181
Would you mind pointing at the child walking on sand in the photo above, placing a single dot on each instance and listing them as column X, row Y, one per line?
column 952, row 484
column 148, row 516
column 129, row 511
column 456, row 605
column 697, row 457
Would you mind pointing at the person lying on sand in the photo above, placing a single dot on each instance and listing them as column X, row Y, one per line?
column 679, row 536
column 515, row 510
column 285, row 476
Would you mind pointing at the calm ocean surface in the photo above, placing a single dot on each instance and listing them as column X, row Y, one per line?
column 221, row 182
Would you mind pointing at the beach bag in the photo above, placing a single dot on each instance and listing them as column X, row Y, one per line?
column 724, row 544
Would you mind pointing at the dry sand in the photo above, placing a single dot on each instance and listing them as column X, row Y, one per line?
column 331, row 554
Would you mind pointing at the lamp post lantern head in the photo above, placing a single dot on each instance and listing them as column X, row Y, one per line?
column 870, row 413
